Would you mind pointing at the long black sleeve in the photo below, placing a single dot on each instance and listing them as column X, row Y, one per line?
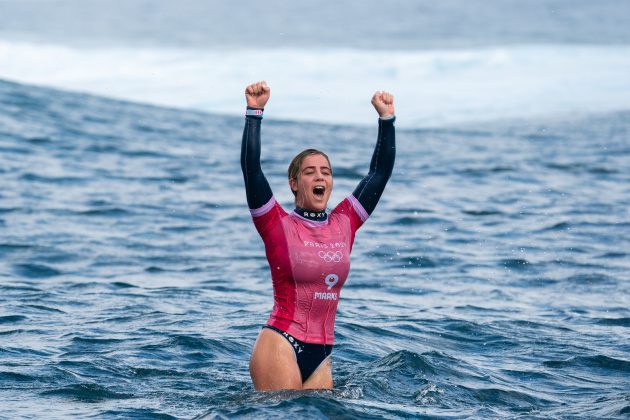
column 256, row 185
column 370, row 189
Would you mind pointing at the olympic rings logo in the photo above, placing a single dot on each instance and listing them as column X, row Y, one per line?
column 330, row 256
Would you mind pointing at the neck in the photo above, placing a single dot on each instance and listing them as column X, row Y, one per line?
column 316, row 215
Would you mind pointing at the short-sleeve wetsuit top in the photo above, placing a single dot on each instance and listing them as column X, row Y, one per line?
column 308, row 251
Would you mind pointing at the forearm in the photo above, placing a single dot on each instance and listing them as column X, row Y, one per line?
column 370, row 189
column 256, row 186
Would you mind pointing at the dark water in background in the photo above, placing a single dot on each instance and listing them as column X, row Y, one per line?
column 491, row 281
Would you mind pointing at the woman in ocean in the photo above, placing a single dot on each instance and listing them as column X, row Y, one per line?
column 308, row 249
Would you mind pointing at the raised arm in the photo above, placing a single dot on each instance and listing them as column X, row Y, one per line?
column 256, row 185
column 369, row 190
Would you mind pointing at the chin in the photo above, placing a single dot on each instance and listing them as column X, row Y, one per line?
column 315, row 204
column 319, row 206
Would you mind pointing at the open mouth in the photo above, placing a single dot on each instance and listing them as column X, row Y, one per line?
column 319, row 191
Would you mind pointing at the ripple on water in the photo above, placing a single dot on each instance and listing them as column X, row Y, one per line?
column 510, row 399
column 7, row 288
column 435, row 381
column 7, row 248
column 616, row 322
column 87, row 392
column 16, row 377
column 300, row 404
column 395, row 376
column 113, row 212
column 559, row 226
column 610, row 364
column 608, row 255
column 153, row 372
column 93, row 342
column 122, row 285
column 137, row 413
column 12, row 319
column 419, row 220
column 515, row 263
column 591, row 279
column 59, row 180
column 196, row 347
column 482, row 213
column 43, row 308
column 36, row 271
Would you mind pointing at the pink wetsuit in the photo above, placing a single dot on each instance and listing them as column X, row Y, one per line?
column 309, row 262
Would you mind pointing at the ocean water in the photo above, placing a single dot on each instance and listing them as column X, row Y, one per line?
column 492, row 281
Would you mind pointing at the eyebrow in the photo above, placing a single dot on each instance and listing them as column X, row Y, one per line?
column 313, row 167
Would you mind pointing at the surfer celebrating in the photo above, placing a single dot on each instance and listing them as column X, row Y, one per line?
column 308, row 249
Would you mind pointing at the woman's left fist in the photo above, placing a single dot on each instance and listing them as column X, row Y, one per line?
column 383, row 103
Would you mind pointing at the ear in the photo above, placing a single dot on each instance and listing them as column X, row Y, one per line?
column 293, row 185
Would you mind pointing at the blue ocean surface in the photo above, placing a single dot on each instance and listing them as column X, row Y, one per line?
column 492, row 280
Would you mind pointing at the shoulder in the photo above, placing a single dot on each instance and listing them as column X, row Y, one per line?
column 351, row 210
column 351, row 207
column 267, row 216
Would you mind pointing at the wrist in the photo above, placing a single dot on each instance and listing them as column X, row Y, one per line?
column 387, row 117
column 254, row 112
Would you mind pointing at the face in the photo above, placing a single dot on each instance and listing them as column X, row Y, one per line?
column 314, row 183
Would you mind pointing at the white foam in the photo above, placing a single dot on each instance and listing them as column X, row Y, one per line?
column 432, row 87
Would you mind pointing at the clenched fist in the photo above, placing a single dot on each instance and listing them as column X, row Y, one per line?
column 383, row 103
column 257, row 94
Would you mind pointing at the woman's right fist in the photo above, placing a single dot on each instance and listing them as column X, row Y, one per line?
column 257, row 94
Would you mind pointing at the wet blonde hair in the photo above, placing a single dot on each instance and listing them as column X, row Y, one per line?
column 296, row 163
